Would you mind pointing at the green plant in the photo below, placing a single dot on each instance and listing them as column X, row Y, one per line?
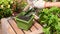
column 5, row 8
column 5, row 3
column 50, row 20
column 20, row 5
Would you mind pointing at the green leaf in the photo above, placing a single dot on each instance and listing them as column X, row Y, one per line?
column 47, row 30
column 51, row 19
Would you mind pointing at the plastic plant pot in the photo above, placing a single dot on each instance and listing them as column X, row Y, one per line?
column 24, row 21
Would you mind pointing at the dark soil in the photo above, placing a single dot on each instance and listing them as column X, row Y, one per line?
column 26, row 18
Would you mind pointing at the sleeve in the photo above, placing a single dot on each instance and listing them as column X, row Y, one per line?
column 39, row 4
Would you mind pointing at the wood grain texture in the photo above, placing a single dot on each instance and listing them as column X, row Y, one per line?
column 13, row 29
column 6, row 28
column 14, row 25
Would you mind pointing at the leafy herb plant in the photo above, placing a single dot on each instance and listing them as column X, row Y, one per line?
column 50, row 20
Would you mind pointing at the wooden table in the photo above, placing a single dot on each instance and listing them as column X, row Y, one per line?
column 9, row 26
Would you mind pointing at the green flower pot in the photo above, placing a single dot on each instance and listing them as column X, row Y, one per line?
column 24, row 22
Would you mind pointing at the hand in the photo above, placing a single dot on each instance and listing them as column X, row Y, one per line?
column 36, row 3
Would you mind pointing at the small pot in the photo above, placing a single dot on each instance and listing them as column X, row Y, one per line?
column 24, row 23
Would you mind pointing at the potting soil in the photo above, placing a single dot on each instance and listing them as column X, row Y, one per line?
column 26, row 18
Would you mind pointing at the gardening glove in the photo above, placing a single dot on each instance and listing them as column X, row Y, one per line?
column 36, row 3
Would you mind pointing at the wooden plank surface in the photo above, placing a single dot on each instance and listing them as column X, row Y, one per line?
column 35, row 29
column 6, row 28
column 13, row 24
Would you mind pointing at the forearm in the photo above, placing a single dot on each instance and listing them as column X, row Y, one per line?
column 50, row 4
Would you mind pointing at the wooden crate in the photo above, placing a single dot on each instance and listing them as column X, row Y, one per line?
column 9, row 26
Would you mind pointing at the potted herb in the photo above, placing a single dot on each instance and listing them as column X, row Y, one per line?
column 24, row 20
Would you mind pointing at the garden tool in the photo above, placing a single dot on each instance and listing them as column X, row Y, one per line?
column 34, row 3
column 29, row 7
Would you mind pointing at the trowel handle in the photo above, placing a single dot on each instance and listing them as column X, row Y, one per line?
column 27, row 7
column 35, row 17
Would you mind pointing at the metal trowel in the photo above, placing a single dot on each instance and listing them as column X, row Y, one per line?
column 29, row 7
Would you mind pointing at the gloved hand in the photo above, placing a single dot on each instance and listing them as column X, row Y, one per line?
column 36, row 3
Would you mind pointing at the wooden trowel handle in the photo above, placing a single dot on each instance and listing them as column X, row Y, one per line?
column 26, row 8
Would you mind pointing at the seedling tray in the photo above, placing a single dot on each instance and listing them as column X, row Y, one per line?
column 24, row 21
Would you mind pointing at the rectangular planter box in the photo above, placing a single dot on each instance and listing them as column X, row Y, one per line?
column 24, row 24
